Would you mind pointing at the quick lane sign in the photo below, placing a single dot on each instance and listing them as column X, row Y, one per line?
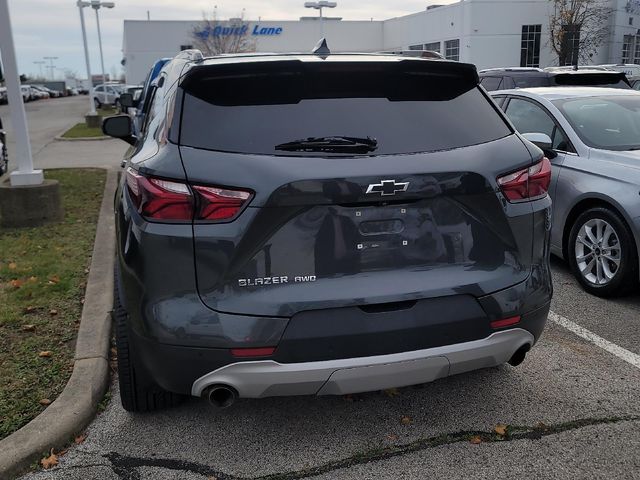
column 222, row 31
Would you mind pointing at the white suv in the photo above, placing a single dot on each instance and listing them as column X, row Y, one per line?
column 107, row 94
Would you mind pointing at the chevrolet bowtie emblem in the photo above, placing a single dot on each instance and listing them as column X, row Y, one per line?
column 388, row 187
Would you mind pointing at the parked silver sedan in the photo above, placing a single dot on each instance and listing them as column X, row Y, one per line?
column 592, row 137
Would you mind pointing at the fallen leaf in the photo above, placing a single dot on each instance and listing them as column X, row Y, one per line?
column 45, row 402
column 542, row 426
column 391, row 392
column 16, row 283
column 80, row 438
column 53, row 311
column 476, row 439
column 393, row 437
column 500, row 429
column 54, row 279
column 44, row 354
column 13, row 266
column 29, row 309
column 28, row 328
column 406, row 420
column 33, row 279
column 50, row 461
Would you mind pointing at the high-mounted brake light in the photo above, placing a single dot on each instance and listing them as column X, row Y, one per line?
column 158, row 199
column 528, row 183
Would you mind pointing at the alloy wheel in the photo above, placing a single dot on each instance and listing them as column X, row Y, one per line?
column 598, row 252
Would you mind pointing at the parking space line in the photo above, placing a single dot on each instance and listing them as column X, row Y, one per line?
column 598, row 341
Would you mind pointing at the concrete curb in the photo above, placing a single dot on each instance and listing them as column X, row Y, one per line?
column 81, row 139
column 77, row 404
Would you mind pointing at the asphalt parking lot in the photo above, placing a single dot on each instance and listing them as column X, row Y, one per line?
column 572, row 411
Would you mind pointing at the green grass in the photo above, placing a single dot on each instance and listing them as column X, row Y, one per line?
column 43, row 272
column 80, row 130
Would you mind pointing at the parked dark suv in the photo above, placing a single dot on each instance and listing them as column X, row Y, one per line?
column 323, row 224
column 519, row 77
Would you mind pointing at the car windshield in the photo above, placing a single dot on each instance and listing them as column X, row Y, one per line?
column 607, row 122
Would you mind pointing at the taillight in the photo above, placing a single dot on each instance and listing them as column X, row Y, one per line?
column 528, row 183
column 158, row 199
column 219, row 203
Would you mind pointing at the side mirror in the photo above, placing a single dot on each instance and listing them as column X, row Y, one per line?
column 543, row 142
column 540, row 140
column 119, row 126
column 126, row 100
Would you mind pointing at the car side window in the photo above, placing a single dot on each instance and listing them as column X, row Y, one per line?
column 491, row 83
column 529, row 117
column 99, row 89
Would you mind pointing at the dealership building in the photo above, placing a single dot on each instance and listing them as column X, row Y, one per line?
column 488, row 33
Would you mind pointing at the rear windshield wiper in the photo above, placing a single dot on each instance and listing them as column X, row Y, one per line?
column 335, row 144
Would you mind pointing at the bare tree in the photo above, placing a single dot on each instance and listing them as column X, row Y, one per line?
column 214, row 37
column 578, row 28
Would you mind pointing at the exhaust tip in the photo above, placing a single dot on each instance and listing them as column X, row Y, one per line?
column 220, row 396
column 518, row 357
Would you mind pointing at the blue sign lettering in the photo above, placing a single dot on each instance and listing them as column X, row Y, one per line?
column 224, row 31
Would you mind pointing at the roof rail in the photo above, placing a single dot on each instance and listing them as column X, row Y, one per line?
column 192, row 54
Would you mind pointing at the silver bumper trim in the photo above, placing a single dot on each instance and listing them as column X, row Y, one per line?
column 267, row 378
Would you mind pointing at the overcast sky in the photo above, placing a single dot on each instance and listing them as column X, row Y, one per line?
column 51, row 28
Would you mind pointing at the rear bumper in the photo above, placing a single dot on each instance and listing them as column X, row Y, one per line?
column 266, row 378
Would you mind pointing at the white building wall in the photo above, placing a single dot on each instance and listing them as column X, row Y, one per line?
column 490, row 34
column 147, row 41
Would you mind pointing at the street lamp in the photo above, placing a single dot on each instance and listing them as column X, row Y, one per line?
column 319, row 6
column 96, row 4
column 40, row 63
column 51, row 65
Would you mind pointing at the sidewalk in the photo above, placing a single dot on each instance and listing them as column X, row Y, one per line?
column 98, row 153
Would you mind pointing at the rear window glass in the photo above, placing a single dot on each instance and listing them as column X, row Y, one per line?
column 531, row 81
column 613, row 80
column 399, row 112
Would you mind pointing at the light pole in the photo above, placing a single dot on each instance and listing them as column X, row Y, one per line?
column 40, row 63
column 25, row 175
column 51, row 65
column 92, row 118
column 319, row 6
column 96, row 4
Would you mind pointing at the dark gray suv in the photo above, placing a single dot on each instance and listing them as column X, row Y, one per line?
column 323, row 224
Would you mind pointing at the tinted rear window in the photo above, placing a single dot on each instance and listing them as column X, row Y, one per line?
column 404, row 111
column 605, row 79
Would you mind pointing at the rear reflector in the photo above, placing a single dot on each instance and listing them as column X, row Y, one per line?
column 253, row 352
column 158, row 199
column 527, row 184
column 505, row 322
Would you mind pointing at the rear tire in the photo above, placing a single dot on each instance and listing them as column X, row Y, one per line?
column 602, row 253
column 138, row 391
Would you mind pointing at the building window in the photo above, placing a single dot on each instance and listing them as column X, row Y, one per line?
column 627, row 44
column 433, row 46
column 630, row 20
column 452, row 49
column 415, row 47
column 530, row 46
column 636, row 50
column 186, row 47
column 570, row 46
